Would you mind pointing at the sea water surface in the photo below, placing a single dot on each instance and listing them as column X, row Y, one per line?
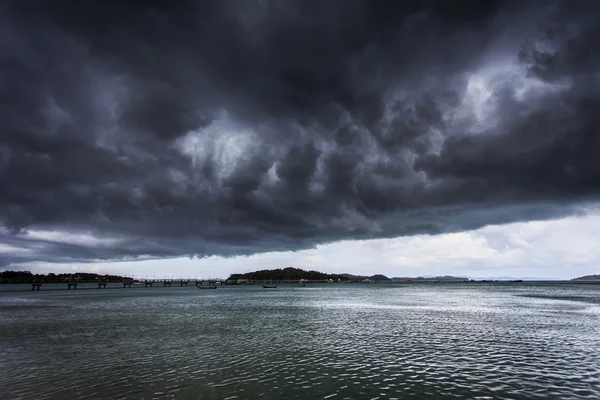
column 337, row 341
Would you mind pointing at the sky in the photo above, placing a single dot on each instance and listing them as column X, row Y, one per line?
column 203, row 138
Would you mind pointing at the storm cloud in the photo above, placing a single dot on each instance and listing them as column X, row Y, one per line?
column 161, row 129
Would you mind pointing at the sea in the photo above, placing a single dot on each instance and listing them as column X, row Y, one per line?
column 323, row 341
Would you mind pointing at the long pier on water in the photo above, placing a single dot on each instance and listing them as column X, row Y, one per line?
column 147, row 283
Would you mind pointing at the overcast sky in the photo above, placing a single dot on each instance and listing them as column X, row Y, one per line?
column 405, row 138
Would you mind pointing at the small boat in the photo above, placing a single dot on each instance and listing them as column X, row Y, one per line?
column 269, row 286
column 207, row 287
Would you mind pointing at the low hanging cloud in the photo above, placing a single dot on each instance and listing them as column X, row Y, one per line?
column 218, row 128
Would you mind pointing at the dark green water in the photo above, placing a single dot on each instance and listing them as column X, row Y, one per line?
column 420, row 341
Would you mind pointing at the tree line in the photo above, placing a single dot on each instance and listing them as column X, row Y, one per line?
column 28, row 276
column 285, row 274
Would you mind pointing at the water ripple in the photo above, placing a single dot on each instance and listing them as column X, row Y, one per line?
column 331, row 342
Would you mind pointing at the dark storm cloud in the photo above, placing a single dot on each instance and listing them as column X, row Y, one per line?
column 202, row 127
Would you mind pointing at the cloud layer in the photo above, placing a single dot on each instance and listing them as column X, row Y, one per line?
column 214, row 128
column 554, row 249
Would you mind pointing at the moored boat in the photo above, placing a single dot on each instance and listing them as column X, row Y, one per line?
column 207, row 287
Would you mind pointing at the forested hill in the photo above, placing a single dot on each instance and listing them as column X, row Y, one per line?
column 27, row 276
column 588, row 278
column 285, row 274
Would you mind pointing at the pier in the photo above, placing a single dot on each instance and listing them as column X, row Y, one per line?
column 125, row 284
column 149, row 283
column 166, row 282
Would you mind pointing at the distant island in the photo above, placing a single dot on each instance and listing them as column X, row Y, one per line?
column 297, row 274
column 27, row 277
column 374, row 278
column 285, row 274
column 588, row 278
column 381, row 278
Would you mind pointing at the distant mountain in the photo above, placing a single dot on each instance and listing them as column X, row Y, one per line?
column 376, row 277
column 379, row 277
column 510, row 278
column 588, row 278
column 353, row 277
column 450, row 278
column 431, row 278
